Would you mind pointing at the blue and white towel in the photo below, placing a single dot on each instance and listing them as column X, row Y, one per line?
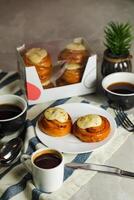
column 16, row 183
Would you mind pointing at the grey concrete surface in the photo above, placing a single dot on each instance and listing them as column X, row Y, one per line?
column 42, row 20
column 102, row 186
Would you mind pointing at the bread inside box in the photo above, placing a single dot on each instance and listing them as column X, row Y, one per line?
column 67, row 77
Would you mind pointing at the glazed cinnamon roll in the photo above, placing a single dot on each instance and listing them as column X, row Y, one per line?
column 47, row 84
column 55, row 122
column 91, row 128
column 39, row 58
column 75, row 52
column 73, row 73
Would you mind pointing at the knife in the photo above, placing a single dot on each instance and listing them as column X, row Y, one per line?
column 101, row 168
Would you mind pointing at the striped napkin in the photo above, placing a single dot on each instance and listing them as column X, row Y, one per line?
column 16, row 183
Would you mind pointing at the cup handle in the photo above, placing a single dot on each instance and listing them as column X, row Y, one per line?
column 23, row 159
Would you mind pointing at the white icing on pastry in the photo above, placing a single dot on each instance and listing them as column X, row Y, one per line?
column 77, row 44
column 35, row 55
column 88, row 121
column 72, row 66
column 58, row 114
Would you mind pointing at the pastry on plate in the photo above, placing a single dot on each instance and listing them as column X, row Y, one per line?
column 91, row 128
column 75, row 52
column 73, row 73
column 39, row 58
column 55, row 122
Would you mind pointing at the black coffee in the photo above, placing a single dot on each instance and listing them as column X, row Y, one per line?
column 47, row 160
column 121, row 88
column 8, row 111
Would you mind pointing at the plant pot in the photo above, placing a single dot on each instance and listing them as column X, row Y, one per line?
column 115, row 63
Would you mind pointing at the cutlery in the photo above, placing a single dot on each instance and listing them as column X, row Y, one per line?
column 10, row 152
column 124, row 120
column 101, row 168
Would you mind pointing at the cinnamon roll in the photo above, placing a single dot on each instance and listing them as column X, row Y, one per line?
column 39, row 58
column 73, row 73
column 47, row 84
column 75, row 52
column 91, row 128
column 55, row 122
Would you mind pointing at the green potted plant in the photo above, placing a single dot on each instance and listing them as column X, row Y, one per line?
column 118, row 41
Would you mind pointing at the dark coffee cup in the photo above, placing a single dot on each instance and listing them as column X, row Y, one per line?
column 119, row 89
column 12, row 114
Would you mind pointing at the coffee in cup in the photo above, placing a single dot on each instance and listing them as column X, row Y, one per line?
column 12, row 114
column 47, row 160
column 119, row 89
column 47, row 169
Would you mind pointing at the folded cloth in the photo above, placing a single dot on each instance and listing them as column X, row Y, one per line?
column 16, row 182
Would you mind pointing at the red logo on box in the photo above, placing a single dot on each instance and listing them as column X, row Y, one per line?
column 33, row 92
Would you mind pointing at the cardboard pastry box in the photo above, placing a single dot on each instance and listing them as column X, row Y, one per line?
column 32, row 86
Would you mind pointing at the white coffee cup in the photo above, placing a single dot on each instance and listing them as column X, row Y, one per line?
column 46, row 180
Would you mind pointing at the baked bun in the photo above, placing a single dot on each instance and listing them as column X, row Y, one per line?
column 55, row 122
column 47, row 84
column 75, row 52
column 39, row 58
column 91, row 128
column 73, row 73
column 60, row 82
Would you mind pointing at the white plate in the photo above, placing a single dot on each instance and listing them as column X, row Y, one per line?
column 69, row 143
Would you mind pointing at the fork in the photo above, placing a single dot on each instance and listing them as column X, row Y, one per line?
column 124, row 120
